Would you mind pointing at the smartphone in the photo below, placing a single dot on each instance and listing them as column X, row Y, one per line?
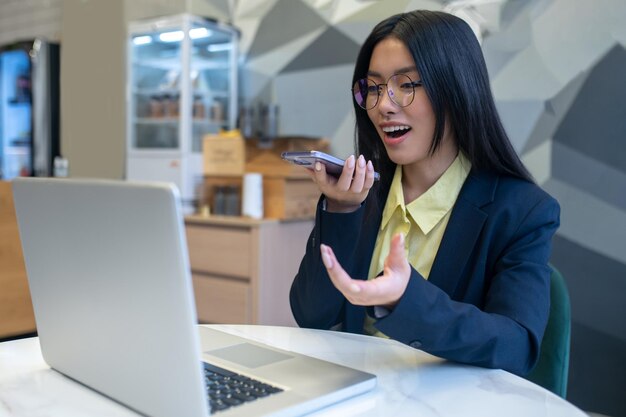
column 307, row 159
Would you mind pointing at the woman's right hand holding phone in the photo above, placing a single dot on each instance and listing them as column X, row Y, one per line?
column 346, row 193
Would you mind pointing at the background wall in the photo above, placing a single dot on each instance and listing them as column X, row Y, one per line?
column 24, row 19
column 93, row 81
column 93, row 76
column 557, row 70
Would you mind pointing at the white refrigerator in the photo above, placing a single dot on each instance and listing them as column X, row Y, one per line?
column 29, row 108
column 182, row 85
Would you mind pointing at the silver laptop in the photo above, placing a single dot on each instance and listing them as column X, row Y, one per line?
column 111, row 288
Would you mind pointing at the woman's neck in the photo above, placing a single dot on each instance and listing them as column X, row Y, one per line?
column 418, row 177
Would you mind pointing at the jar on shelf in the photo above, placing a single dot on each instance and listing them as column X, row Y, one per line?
column 217, row 112
column 246, row 121
column 219, row 200
column 232, row 205
column 198, row 107
column 156, row 107
column 171, row 105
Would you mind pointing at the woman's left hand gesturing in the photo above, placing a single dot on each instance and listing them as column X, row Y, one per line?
column 385, row 290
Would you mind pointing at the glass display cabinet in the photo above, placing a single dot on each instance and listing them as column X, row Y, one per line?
column 182, row 84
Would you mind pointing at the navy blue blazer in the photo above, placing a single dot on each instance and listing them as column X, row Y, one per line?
column 487, row 298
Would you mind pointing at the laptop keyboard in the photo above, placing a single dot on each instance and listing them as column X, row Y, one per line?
column 227, row 389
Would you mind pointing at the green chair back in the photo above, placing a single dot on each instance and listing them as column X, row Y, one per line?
column 552, row 369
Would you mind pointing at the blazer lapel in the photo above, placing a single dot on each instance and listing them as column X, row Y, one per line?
column 368, row 235
column 465, row 224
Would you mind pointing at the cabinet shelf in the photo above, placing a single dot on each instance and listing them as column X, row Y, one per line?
column 21, row 142
column 175, row 121
column 175, row 91
column 157, row 120
column 17, row 151
column 156, row 91
column 18, row 101
column 174, row 64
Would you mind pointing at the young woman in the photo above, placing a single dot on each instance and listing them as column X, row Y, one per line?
column 449, row 251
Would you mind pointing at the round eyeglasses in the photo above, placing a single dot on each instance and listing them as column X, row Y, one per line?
column 400, row 89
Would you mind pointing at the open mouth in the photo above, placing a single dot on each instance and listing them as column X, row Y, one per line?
column 395, row 131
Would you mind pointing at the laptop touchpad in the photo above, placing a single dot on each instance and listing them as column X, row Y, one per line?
column 248, row 355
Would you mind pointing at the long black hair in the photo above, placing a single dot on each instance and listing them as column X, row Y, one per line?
column 450, row 62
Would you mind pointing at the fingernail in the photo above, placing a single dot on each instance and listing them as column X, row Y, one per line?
column 318, row 166
column 350, row 161
column 328, row 263
column 402, row 239
column 370, row 167
column 355, row 288
column 361, row 161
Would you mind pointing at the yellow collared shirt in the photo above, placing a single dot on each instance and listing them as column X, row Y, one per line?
column 423, row 222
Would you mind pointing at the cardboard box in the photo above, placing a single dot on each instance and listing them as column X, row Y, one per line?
column 223, row 155
column 288, row 197
column 269, row 162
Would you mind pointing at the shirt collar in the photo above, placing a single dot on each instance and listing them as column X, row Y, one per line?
column 395, row 199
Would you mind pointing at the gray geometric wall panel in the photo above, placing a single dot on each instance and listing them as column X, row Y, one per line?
column 514, row 35
column 331, row 48
column 556, row 109
column 511, row 10
column 590, row 221
column 497, row 58
column 520, row 116
column 314, row 100
column 357, row 31
column 596, row 122
column 287, row 20
column 596, row 308
column 591, row 176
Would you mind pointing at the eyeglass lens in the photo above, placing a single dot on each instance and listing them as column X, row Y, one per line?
column 400, row 89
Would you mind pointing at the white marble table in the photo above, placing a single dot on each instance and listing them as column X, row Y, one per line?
column 410, row 382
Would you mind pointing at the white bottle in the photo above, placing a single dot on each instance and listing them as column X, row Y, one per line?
column 61, row 167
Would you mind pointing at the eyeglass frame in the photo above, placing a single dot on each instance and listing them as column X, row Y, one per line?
column 417, row 83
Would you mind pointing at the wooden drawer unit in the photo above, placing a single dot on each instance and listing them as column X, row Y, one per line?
column 242, row 268
column 290, row 197
column 220, row 300
column 220, row 250
column 16, row 309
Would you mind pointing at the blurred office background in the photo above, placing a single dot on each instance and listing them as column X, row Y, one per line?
column 558, row 71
